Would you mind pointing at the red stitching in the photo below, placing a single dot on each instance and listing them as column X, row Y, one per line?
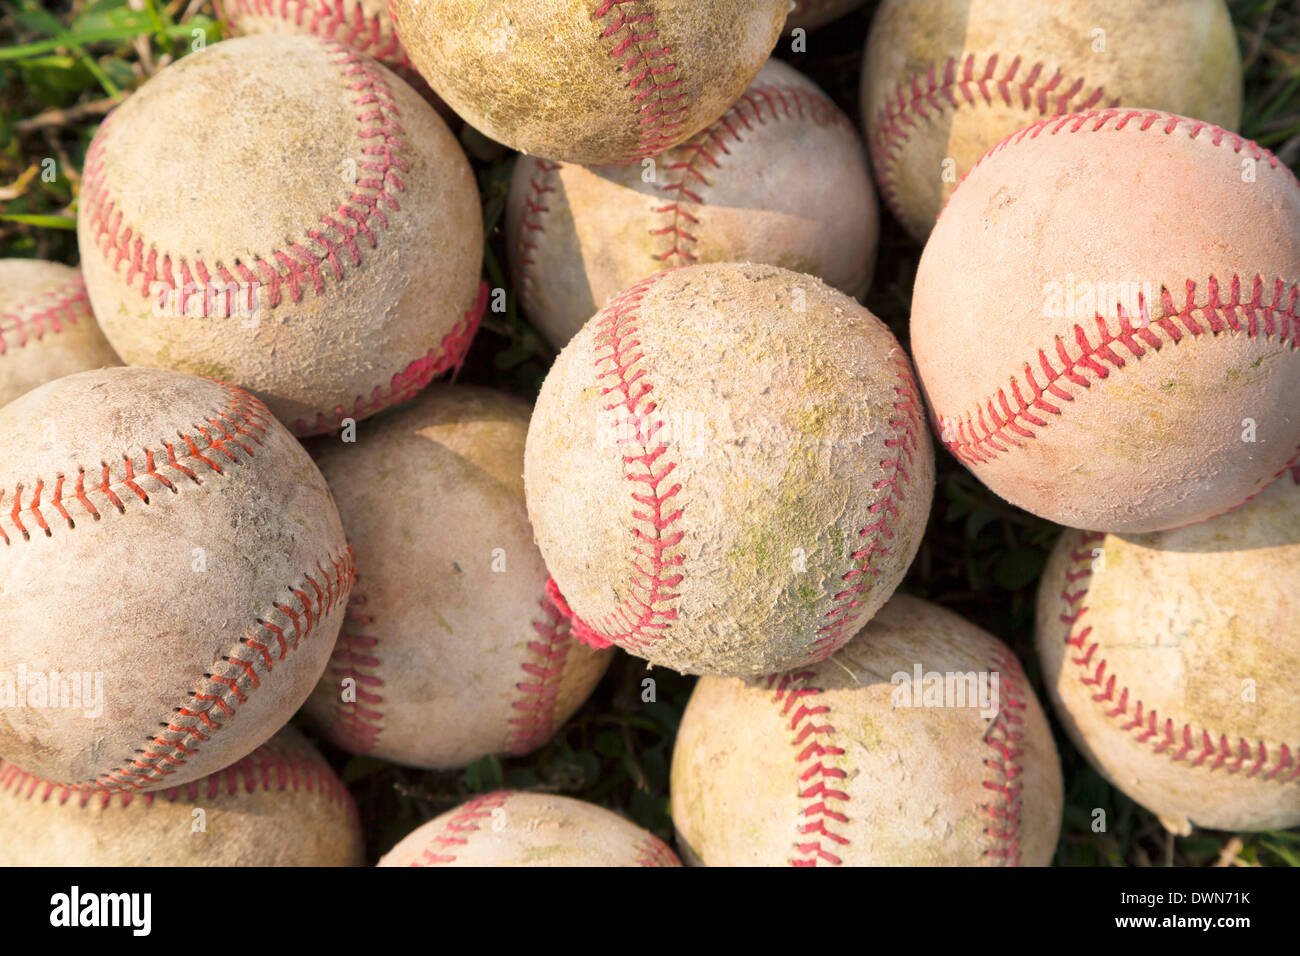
column 45, row 313
column 338, row 237
column 540, row 689
column 455, row 833
column 818, row 841
column 230, row 680
column 661, row 117
column 1194, row 747
column 1004, row 737
column 450, row 355
column 1007, row 419
column 268, row 768
column 907, row 425
column 367, row 33
column 358, row 723
column 243, row 420
column 781, row 102
column 913, row 100
column 654, row 852
column 541, row 183
column 641, row 619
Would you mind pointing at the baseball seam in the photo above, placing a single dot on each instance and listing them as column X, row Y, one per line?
column 44, row 314
column 365, row 32
column 1004, row 737
column 907, row 426
column 333, row 246
column 816, row 781
column 652, row 851
column 975, row 440
column 232, row 678
column 648, row 610
column 915, row 100
column 357, row 724
column 540, row 183
column 459, row 827
column 266, row 769
column 703, row 150
column 543, row 668
column 449, row 355
column 297, row 267
column 660, row 119
column 241, row 423
column 1192, row 747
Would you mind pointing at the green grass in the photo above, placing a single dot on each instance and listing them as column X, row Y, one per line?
column 63, row 64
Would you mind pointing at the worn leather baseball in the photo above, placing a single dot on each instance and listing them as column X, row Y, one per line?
column 172, row 579
column 321, row 191
column 945, row 81
column 780, row 178
column 856, row 762
column 1173, row 659
column 728, row 470
column 811, row 14
column 46, row 328
column 451, row 648
column 1104, row 375
column 589, row 81
column 509, row 828
column 364, row 25
column 281, row 805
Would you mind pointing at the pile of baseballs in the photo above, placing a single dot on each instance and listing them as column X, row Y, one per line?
column 232, row 492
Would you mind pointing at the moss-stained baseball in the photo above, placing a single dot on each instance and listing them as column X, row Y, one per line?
column 727, row 469
column 1105, row 320
column 172, row 578
column 780, row 178
column 945, row 81
column 589, row 81
column 46, row 327
column 510, row 828
column 1173, row 659
column 282, row 805
column 919, row 743
column 285, row 209
column 450, row 645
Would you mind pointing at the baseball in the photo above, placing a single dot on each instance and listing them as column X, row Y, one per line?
column 46, row 328
column 728, row 470
column 281, row 805
column 450, row 649
column 590, row 81
column 780, row 178
column 945, row 81
column 507, row 828
column 919, row 743
column 811, row 14
column 315, row 239
column 1100, row 375
column 172, row 580
column 1173, row 659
